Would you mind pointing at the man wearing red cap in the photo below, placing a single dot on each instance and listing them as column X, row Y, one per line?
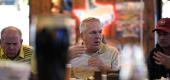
column 159, row 59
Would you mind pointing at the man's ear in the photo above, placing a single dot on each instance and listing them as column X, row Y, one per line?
column 21, row 41
column 82, row 38
column 81, row 35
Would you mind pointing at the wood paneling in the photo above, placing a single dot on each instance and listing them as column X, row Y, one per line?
column 148, row 36
column 40, row 7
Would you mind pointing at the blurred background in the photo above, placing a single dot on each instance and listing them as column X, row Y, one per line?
column 121, row 19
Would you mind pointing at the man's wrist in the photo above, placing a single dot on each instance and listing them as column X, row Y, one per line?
column 104, row 68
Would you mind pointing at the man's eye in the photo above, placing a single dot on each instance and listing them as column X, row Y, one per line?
column 8, row 44
column 100, row 32
column 162, row 33
column 93, row 33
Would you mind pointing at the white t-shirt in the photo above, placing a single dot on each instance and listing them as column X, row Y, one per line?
column 108, row 55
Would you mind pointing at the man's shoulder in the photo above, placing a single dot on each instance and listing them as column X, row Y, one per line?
column 27, row 48
column 110, row 48
column 151, row 53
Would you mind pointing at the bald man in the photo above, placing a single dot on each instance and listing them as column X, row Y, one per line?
column 11, row 46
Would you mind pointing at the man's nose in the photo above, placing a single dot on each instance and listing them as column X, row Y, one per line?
column 98, row 35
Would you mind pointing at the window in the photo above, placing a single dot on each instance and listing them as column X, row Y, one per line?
column 165, row 8
column 15, row 13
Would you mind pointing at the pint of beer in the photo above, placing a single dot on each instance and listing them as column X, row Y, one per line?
column 10, row 70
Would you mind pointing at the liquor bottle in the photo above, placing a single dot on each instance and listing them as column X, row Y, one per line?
column 68, row 72
column 104, row 76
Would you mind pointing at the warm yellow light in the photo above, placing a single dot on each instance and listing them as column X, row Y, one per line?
column 56, row 2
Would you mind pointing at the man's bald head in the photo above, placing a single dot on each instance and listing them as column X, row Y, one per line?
column 11, row 41
column 11, row 29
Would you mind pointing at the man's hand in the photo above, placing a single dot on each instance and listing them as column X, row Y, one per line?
column 97, row 62
column 76, row 51
column 162, row 59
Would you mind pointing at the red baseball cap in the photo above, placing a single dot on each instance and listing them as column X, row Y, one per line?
column 163, row 25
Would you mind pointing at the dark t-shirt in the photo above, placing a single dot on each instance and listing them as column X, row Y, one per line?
column 156, row 71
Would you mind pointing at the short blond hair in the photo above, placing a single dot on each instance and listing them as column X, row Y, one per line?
column 83, row 26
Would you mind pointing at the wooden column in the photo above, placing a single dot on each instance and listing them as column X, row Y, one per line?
column 148, row 25
column 40, row 7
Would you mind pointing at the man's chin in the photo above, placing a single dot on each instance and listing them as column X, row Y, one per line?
column 96, row 47
column 12, row 54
